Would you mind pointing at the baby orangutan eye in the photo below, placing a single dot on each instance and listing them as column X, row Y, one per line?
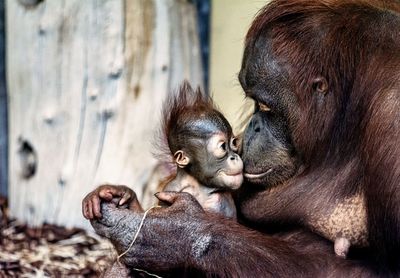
column 221, row 150
column 234, row 144
column 263, row 107
column 223, row 146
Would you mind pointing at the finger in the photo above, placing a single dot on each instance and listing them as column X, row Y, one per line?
column 89, row 211
column 84, row 208
column 96, row 207
column 127, row 196
column 166, row 197
column 177, row 198
column 117, row 190
column 105, row 194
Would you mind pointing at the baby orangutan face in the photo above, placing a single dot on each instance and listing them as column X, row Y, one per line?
column 212, row 160
column 201, row 140
column 228, row 165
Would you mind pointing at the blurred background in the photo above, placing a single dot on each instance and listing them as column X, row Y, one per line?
column 81, row 86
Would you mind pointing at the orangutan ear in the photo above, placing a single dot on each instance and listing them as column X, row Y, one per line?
column 320, row 85
column 181, row 159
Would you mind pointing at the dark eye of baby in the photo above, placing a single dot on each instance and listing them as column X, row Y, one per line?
column 223, row 146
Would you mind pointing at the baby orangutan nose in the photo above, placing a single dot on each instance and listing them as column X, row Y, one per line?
column 235, row 164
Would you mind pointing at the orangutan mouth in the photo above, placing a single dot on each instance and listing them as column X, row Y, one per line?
column 257, row 176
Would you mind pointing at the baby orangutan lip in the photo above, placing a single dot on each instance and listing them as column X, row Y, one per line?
column 233, row 180
column 232, row 174
column 257, row 176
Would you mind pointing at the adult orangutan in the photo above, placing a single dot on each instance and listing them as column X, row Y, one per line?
column 325, row 77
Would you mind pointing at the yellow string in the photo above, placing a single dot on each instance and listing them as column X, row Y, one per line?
column 134, row 239
column 148, row 273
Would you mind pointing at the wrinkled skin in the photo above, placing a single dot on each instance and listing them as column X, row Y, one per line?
column 116, row 270
column 120, row 224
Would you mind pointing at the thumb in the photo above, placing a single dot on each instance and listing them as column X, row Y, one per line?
column 179, row 199
column 168, row 197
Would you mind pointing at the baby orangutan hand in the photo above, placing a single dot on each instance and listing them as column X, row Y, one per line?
column 119, row 194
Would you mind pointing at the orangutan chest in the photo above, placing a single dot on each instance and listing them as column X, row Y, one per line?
column 347, row 219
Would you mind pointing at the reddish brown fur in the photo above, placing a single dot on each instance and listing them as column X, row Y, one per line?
column 355, row 45
column 182, row 108
column 353, row 31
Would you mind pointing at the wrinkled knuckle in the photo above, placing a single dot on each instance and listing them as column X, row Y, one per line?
column 131, row 259
column 114, row 229
column 100, row 228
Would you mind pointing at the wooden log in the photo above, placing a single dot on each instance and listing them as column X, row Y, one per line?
column 3, row 107
column 86, row 82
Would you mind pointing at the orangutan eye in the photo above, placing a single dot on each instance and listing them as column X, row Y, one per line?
column 263, row 107
column 234, row 144
column 221, row 150
column 223, row 146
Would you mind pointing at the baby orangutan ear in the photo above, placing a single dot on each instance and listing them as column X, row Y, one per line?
column 181, row 159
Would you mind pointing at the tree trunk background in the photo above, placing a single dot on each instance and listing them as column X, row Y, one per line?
column 3, row 107
column 86, row 81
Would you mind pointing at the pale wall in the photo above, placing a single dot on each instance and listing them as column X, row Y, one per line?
column 230, row 20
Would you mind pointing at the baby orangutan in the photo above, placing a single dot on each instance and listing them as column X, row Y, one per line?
column 202, row 146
